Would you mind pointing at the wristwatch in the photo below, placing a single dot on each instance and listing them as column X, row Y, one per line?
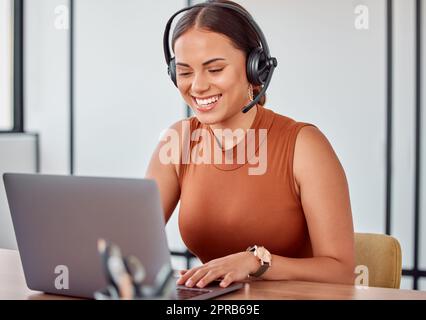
column 264, row 257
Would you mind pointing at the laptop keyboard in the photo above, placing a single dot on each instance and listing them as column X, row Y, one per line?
column 188, row 293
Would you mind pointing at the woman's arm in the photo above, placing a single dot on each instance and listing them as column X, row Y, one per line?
column 324, row 194
column 165, row 174
column 323, row 189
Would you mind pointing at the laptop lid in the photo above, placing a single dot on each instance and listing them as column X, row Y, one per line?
column 58, row 220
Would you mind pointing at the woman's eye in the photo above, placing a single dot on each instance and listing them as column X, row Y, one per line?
column 216, row 70
column 184, row 74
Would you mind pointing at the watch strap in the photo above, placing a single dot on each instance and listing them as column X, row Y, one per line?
column 260, row 271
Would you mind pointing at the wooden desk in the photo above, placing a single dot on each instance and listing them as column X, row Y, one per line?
column 12, row 286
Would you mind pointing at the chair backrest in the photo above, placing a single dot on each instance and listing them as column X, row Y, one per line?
column 380, row 256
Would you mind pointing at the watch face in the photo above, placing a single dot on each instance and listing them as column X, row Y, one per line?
column 263, row 254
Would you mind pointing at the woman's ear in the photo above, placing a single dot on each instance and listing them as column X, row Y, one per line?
column 256, row 90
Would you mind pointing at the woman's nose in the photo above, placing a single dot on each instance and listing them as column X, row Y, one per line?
column 199, row 84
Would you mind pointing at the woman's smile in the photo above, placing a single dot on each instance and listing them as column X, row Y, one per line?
column 206, row 104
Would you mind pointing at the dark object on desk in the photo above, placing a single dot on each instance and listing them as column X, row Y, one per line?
column 115, row 270
column 137, row 273
column 126, row 277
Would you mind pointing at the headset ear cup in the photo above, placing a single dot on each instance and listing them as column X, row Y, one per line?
column 172, row 71
column 257, row 70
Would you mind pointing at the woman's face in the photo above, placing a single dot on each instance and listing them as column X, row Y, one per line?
column 211, row 75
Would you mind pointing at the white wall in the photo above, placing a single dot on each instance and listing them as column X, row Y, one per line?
column 17, row 154
column 123, row 95
column 333, row 75
column 403, row 134
column 6, row 64
column 46, row 83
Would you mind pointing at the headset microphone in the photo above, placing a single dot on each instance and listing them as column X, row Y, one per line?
column 260, row 65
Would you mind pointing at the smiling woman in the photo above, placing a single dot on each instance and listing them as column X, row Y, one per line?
column 291, row 220
column 6, row 119
column 227, row 51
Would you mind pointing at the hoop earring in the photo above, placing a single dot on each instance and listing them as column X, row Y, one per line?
column 250, row 92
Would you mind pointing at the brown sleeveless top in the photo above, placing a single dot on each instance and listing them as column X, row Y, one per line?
column 224, row 209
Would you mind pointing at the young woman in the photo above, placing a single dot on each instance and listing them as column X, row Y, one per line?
column 293, row 213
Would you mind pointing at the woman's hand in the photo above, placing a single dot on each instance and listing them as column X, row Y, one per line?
column 235, row 267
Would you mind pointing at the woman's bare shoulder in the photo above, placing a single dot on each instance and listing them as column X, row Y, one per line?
column 180, row 131
column 314, row 155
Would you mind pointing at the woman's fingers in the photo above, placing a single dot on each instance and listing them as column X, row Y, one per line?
column 185, row 276
column 193, row 280
column 208, row 277
column 227, row 280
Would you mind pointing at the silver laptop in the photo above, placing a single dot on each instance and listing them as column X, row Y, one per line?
column 59, row 219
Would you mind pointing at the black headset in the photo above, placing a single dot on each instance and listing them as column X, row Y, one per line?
column 260, row 65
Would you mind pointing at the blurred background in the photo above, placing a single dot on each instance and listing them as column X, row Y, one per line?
column 84, row 91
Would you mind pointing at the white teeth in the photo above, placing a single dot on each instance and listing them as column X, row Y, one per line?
column 205, row 102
